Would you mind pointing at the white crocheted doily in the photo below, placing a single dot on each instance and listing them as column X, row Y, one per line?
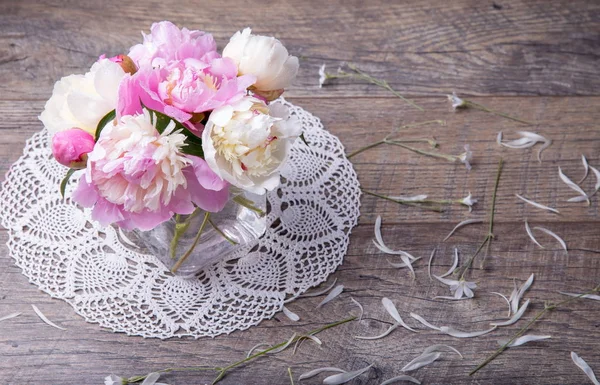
column 69, row 256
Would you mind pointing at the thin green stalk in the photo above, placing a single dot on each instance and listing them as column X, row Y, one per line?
column 407, row 203
column 502, row 114
column 180, row 229
column 224, row 370
column 365, row 148
column 450, row 158
column 546, row 309
column 490, row 235
column 240, row 200
column 221, row 233
column 191, row 249
column 291, row 376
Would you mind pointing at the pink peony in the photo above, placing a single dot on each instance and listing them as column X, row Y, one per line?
column 183, row 89
column 70, row 147
column 138, row 178
column 167, row 43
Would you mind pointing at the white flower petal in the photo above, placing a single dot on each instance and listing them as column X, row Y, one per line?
column 362, row 310
column 461, row 224
column 580, row 362
column 424, row 322
column 321, row 292
column 284, row 346
column 151, row 378
column 528, row 139
column 597, row 175
column 403, row 377
column 553, row 235
column 451, row 298
column 571, row 184
column 290, row 314
column 586, row 168
column 437, row 347
column 45, row 319
column 460, row 334
column 315, row 372
column 413, row 198
column 334, row 293
column 429, row 264
column 528, row 230
column 252, row 349
column 538, row 205
column 587, row 296
column 454, row 265
column 523, row 340
column 393, row 311
column 12, row 315
column 342, row 378
column 384, row 334
column 514, row 302
column 507, row 301
column 517, row 316
column 420, row 361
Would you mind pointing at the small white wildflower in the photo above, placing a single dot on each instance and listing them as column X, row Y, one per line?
column 456, row 101
column 322, row 76
column 468, row 201
column 459, row 289
column 113, row 380
column 466, row 157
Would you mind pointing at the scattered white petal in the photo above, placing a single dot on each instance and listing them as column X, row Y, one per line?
column 322, row 76
column 151, row 378
column 517, row 316
column 586, row 296
column 319, row 293
column 424, row 322
column 456, row 101
column 523, row 340
column 301, row 339
column 384, row 334
column 420, row 361
column 403, row 377
column 11, row 315
column 284, row 346
column 538, row 205
column 454, row 265
column 461, row 224
column 252, row 349
column 514, row 300
column 290, row 314
column 406, row 262
column 438, row 347
column 468, row 201
column 413, row 198
column 597, row 175
column 113, row 380
column 362, row 310
column 460, row 334
column 507, row 301
column 451, row 298
column 45, row 319
column 342, row 378
column 318, row 371
column 528, row 139
column 429, row 264
column 572, row 184
column 332, row 294
column 553, row 235
column 580, row 362
column 586, row 168
column 381, row 245
column 530, row 233
column 393, row 311
column 578, row 198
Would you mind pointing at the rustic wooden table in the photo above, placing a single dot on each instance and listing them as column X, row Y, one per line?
column 535, row 59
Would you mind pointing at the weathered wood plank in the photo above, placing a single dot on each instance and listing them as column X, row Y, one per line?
column 570, row 122
column 422, row 48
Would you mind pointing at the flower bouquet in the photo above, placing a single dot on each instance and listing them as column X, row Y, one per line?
column 175, row 143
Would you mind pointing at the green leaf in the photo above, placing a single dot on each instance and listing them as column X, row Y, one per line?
column 103, row 122
column 63, row 184
column 194, row 143
column 303, row 138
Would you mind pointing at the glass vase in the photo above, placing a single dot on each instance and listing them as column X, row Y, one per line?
column 186, row 244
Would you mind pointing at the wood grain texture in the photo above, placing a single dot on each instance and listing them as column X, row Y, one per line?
column 530, row 58
column 543, row 47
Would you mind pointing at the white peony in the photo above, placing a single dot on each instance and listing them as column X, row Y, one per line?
column 264, row 57
column 82, row 100
column 246, row 143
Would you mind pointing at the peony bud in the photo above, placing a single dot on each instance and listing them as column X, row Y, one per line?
column 124, row 61
column 70, row 147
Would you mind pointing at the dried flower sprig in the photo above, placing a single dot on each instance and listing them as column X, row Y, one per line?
column 222, row 371
column 490, row 234
column 359, row 74
column 547, row 308
column 458, row 103
column 426, row 204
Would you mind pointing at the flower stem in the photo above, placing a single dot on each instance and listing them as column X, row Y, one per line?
column 450, row 158
column 191, row 249
column 240, row 200
column 546, row 309
column 221, row 233
column 490, row 235
column 291, row 376
column 365, row 148
column 407, row 203
column 502, row 114
column 180, row 229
